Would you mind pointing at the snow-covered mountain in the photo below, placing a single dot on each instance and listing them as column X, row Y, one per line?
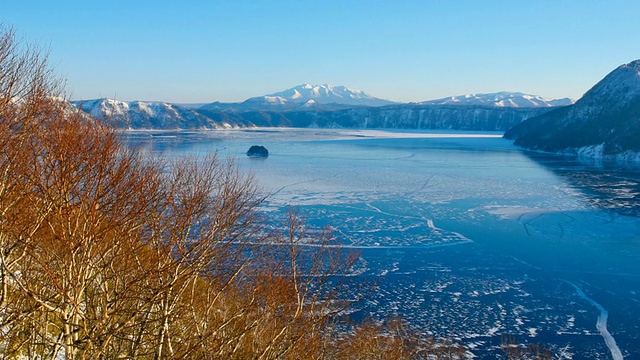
column 501, row 99
column 326, row 106
column 604, row 122
column 327, row 94
column 159, row 115
column 306, row 96
column 146, row 114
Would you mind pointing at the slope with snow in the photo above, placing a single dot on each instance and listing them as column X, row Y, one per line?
column 305, row 96
column 146, row 114
column 501, row 99
column 327, row 106
column 605, row 122
column 330, row 94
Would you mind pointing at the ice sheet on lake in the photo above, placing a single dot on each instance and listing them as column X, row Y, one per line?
column 401, row 196
column 514, row 213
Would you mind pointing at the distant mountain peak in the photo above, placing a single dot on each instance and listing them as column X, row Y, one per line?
column 324, row 94
column 501, row 99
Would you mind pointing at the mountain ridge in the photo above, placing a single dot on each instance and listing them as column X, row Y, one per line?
column 501, row 99
column 302, row 106
column 329, row 94
column 305, row 96
column 605, row 122
column 337, row 97
column 147, row 114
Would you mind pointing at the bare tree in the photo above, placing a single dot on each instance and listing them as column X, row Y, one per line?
column 26, row 91
column 106, row 253
column 516, row 351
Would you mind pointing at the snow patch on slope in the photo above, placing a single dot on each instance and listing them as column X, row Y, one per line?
column 145, row 114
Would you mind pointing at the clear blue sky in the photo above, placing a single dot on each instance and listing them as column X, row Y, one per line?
column 203, row 51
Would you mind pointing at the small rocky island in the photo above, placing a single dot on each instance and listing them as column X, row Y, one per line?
column 258, row 151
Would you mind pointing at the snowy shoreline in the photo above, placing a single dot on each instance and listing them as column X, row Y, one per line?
column 593, row 153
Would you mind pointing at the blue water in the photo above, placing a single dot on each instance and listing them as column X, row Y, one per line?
column 467, row 238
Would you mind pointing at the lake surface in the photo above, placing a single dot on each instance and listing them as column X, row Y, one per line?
column 465, row 236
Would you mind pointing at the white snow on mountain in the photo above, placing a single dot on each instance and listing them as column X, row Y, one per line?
column 602, row 124
column 501, row 99
column 620, row 86
column 309, row 103
column 320, row 94
column 145, row 114
column 275, row 100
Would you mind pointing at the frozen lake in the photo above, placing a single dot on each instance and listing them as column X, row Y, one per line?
column 465, row 235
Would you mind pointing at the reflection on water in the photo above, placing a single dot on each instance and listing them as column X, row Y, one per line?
column 606, row 185
column 167, row 142
column 467, row 237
